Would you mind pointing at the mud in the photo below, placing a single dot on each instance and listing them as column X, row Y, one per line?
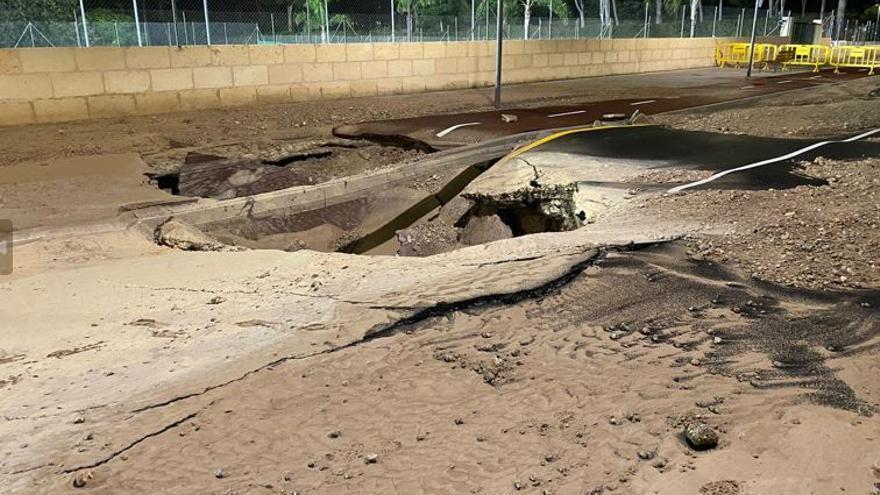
column 535, row 390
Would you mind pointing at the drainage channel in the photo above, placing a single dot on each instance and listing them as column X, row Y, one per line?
column 417, row 212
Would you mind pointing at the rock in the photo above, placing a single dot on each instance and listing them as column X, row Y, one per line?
column 216, row 300
column 79, row 420
column 80, row 478
column 458, row 421
column 179, row 235
column 371, row 458
column 219, row 474
column 700, row 436
column 646, row 455
column 508, row 118
column 334, row 434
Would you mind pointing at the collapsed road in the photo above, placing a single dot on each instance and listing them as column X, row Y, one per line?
column 646, row 351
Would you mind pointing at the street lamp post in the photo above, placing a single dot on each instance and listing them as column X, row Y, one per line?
column 752, row 44
column 499, row 37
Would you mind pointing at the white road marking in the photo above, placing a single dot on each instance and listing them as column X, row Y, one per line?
column 784, row 82
column 642, row 102
column 817, row 77
column 771, row 160
column 563, row 114
column 450, row 129
column 748, row 87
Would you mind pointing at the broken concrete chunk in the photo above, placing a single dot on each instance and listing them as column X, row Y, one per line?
column 480, row 230
column 186, row 237
column 453, row 211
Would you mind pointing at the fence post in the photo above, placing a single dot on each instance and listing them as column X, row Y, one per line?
column 116, row 30
column 225, row 34
column 681, row 35
column 550, row 27
column 207, row 22
column 76, row 28
column 693, row 15
column 272, row 20
column 392, row 21
column 174, row 20
column 137, row 22
column 714, row 21
column 473, row 21
column 645, row 27
column 185, row 31
column 327, row 20
column 82, row 11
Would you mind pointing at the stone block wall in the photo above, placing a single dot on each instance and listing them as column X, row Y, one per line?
column 62, row 84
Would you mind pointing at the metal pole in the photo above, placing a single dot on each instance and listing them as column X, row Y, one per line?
column 116, row 29
column 76, row 27
column 185, row 32
column 693, row 14
column 752, row 43
column 137, row 22
column 499, row 39
column 207, row 22
column 681, row 35
column 392, row 21
column 714, row 21
column 82, row 11
column 272, row 20
column 877, row 22
column 550, row 27
column 473, row 20
column 225, row 34
column 174, row 20
column 766, row 20
column 327, row 20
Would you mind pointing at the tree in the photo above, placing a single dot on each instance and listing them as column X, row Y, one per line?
column 558, row 6
column 315, row 15
column 579, row 6
column 37, row 10
column 412, row 8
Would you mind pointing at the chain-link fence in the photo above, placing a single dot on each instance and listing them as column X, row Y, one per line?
column 26, row 23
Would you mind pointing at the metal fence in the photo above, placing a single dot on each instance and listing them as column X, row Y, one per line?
column 27, row 23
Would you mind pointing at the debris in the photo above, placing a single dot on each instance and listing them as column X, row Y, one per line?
column 371, row 458
column 182, row 236
column 80, row 478
column 700, row 436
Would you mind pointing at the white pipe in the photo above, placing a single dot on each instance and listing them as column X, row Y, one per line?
column 771, row 160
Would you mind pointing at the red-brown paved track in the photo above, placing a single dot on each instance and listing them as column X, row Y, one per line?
column 480, row 126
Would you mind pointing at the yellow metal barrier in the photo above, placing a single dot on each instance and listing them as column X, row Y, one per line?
column 865, row 57
column 808, row 55
column 738, row 53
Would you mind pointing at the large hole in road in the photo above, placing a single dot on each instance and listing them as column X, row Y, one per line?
column 287, row 165
column 419, row 215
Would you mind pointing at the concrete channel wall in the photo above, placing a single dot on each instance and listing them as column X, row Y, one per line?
column 63, row 84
